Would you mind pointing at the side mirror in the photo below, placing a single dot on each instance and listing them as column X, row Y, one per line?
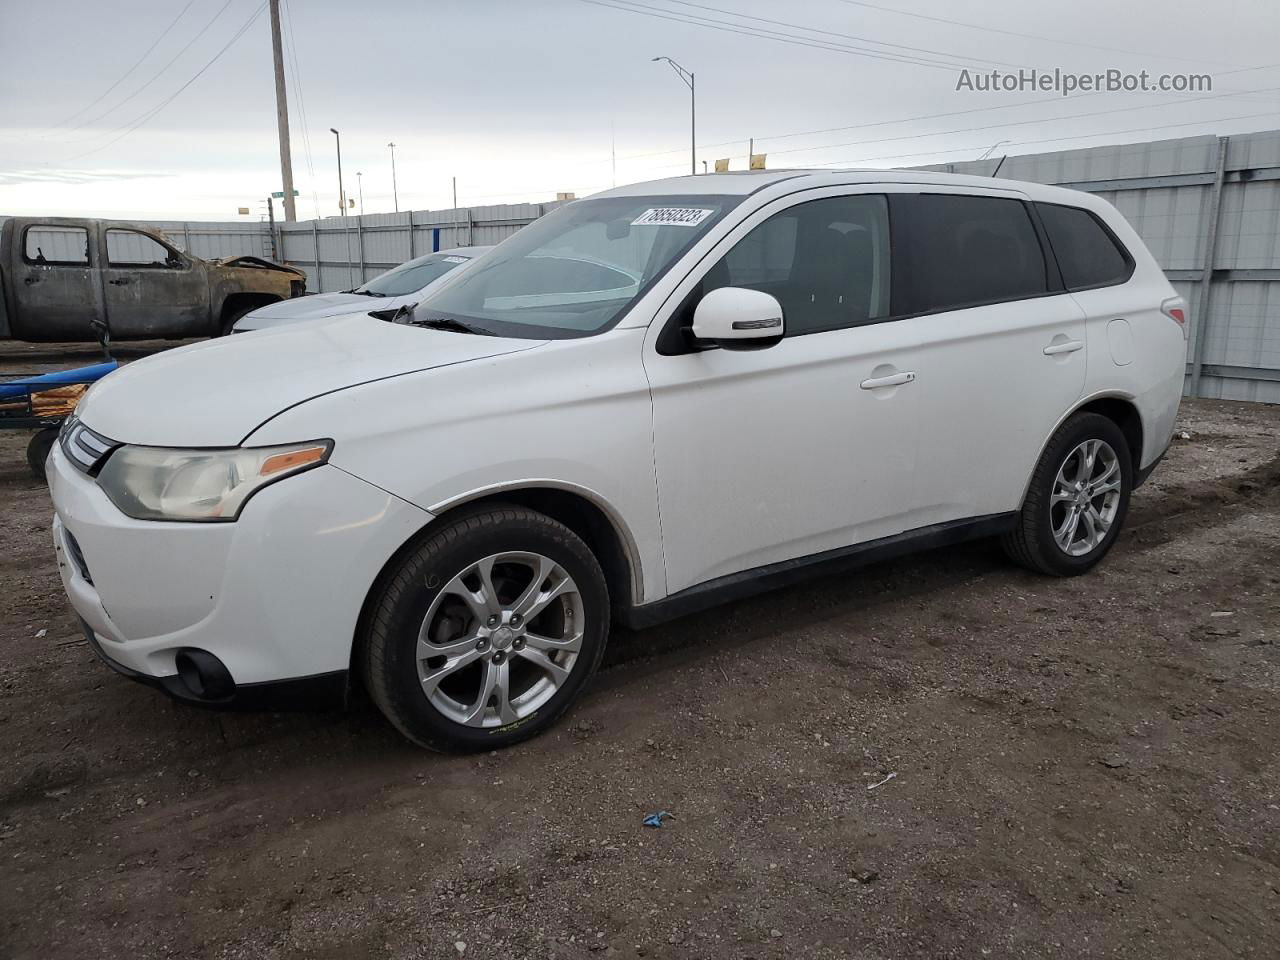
column 734, row 317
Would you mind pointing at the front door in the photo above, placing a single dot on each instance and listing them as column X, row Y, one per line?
column 55, row 285
column 766, row 455
column 151, row 289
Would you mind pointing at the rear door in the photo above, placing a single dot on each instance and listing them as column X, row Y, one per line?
column 56, row 289
column 1001, row 347
column 151, row 289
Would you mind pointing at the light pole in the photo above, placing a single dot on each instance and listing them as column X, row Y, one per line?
column 342, row 197
column 395, row 197
column 360, row 190
column 687, row 77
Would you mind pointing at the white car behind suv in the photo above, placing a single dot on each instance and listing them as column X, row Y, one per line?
column 400, row 286
column 648, row 401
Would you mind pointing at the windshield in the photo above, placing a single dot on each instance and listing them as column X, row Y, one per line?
column 577, row 270
column 412, row 276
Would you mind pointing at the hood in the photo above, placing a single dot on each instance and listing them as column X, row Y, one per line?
column 307, row 308
column 215, row 393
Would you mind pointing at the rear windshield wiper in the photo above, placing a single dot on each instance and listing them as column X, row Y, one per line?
column 404, row 315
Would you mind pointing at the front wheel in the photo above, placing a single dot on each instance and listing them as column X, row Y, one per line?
column 486, row 631
column 1077, row 500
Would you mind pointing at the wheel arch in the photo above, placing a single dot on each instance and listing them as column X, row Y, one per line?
column 583, row 511
column 1117, row 407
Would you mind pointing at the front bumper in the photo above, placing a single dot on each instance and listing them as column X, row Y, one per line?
column 274, row 596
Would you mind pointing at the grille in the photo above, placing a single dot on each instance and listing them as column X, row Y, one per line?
column 83, row 447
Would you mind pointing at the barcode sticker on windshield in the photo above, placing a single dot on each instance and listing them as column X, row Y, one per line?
column 672, row 217
column 455, row 259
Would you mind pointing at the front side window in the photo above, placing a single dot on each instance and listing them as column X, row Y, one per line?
column 1088, row 255
column 412, row 276
column 129, row 248
column 577, row 270
column 826, row 261
column 51, row 245
column 964, row 251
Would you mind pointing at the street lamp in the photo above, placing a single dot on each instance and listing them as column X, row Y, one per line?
column 360, row 190
column 342, row 197
column 687, row 77
column 395, row 197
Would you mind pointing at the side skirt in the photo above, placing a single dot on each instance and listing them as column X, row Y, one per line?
column 774, row 576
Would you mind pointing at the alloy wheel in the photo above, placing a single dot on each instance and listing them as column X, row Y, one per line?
column 1086, row 497
column 500, row 639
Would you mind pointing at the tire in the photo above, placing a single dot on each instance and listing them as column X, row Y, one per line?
column 38, row 450
column 494, row 683
column 1036, row 542
column 233, row 318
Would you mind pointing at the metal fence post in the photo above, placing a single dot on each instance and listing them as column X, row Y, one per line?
column 412, row 250
column 315, row 252
column 360, row 244
column 1204, row 294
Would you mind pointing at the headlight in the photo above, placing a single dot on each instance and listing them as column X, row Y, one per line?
column 154, row 483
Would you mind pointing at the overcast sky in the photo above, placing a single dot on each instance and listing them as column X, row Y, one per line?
column 522, row 98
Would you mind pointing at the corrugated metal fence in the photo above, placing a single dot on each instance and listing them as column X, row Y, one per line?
column 1209, row 209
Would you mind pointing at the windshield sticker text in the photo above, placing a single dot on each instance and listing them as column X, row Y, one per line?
column 671, row 216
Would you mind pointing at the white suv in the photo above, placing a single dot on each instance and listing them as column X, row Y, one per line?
column 647, row 402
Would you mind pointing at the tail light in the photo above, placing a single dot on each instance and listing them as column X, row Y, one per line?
column 1176, row 310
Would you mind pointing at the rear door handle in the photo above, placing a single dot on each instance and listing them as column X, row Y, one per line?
column 120, row 282
column 1064, row 346
column 892, row 380
column 30, row 280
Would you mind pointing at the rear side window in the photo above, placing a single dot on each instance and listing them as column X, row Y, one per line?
column 963, row 251
column 827, row 262
column 56, row 246
column 129, row 248
column 1087, row 252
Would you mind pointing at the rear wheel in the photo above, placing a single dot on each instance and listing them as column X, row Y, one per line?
column 233, row 317
column 486, row 631
column 1077, row 500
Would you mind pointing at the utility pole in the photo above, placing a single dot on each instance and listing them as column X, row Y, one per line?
column 360, row 190
column 282, row 115
column 342, row 197
column 395, row 197
column 455, row 193
column 687, row 77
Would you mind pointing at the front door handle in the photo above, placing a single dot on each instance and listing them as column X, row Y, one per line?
column 892, row 380
column 30, row 280
column 119, row 282
column 1062, row 346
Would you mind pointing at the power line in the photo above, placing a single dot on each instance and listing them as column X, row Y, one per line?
column 844, row 36
column 1073, row 136
column 1008, row 33
column 154, row 76
column 761, row 34
column 1019, row 123
column 124, row 76
column 169, row 99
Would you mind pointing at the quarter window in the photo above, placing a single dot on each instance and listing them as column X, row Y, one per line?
column 57, row 246
column 129, row 248
column 965, row 251
column 826, row 261
column 1088, row 255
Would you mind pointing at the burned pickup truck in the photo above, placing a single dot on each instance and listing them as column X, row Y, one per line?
column 58, row 275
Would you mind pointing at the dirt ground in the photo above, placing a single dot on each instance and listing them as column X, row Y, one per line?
column 942, row 756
